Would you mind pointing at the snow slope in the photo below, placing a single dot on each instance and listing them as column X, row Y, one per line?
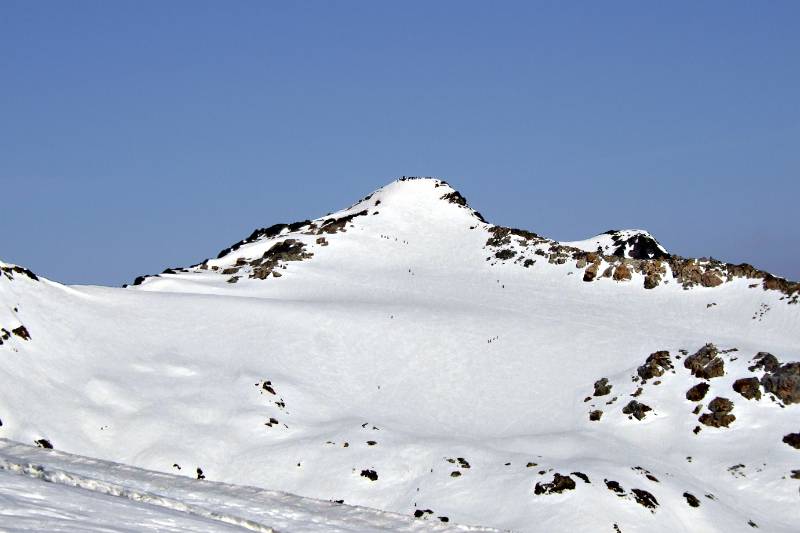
column 409, row 356
column 55, row 491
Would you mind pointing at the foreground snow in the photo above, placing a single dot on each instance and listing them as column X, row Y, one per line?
column 403, row 363
column 47, row 490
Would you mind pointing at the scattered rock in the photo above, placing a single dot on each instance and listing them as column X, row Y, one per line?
column 615, row 487
column 644, row 498
column 636, row 409
column 420, row 513
column 655, row 365
column 44, row 443
column 581, row 475
column 622, row 273
column 698, row 392
column 784, row 382
column 748, row 387
column 370, row 474
column 595, row 415
column 793, row 440
column 455, row 473
column 602, row 387
column 22, row 333
column 200, row 474
column 559, row 484
column 691, row 500
column 765, row 361
column 719, row 415
column 590, row 273
column 705, row 363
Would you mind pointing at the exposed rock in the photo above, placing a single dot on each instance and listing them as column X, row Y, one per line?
column 748, row 387
column 335, row 225
column 622, row 273
column 710, row 279
column 370, row 474
column 602, row 387
column 720, row 413
column 505, row 253
column 765, row 361
column 793, row 440
column 559, row 484
column 581, row 475
column 784, row 382
column 720, row 405
column 636, row 409
column 420, row 513
column 591, row 272
column 655, row 365
column 691, row 500
column 615, row 487
column 698, row 392
column 651, row 281
column 200, row 474
column 44, row 443
column 705, row 363
column 595, row 415
column 22, row 333
column 644, row 498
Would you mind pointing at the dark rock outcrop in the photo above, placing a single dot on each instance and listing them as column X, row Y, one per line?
column 636, row 409
column 655, row 365
column 748, row 387
column 558, row 485
column 705, row 363
column 719, row 415
column 793, row 440
column 765, row 361
column 784, row 382
column 602, row 387
column 698, row 392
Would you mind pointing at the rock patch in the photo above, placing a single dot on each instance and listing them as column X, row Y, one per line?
column 558, row 485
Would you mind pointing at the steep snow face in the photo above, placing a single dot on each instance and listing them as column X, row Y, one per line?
column 631, row 243
column 409, row 356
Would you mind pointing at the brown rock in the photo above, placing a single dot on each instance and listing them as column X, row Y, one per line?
column 784, row 382
column 622, row 273
column 698, row 392
column 636, row 409
column 748, row 387
column 705, row 363
column 793, row 440
column 710, row 279
column 559, row 484
column 655, row 365
column 590, row 273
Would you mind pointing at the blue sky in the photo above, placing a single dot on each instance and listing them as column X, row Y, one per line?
column 140, row 135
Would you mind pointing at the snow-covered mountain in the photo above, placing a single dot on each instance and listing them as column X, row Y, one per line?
column 406, row 355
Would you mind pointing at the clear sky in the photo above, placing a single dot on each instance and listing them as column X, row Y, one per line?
column 140, row 135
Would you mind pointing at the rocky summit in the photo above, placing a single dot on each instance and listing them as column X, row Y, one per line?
column 405, row 364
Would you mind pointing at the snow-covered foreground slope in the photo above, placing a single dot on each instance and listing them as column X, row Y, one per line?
column 407, row 356
column 48, row 490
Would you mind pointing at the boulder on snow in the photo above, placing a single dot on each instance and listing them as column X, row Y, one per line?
column 765, row 361
column 720, row 413
column 602, row 387
column 793, row 440
column 698, row 392
column 705, row 363
column 748, row 387
column 558, row 485
column 784, row 382
column 655, row 365
column 622, row 273
column 636, row 409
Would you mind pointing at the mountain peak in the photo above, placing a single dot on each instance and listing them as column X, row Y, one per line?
column 630, row 243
